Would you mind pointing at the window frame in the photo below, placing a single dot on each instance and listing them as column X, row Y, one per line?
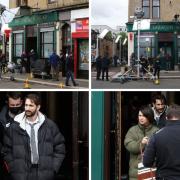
column 43, row 43
column 155, row 6
column 15, row 44
column 146, row 6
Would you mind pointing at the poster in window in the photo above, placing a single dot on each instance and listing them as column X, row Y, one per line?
column 83, row 55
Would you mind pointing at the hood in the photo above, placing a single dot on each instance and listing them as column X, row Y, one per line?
column 20, row 118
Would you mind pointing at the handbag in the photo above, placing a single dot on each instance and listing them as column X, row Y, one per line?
column 145, row 173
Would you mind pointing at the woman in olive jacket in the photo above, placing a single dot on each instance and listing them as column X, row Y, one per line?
column 139, row 134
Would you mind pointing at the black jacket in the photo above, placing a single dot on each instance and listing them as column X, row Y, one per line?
column 69, row 64
column 105, row 62
column 5, row 121
column 163, row 149
column 162, row 119
column 17, row 153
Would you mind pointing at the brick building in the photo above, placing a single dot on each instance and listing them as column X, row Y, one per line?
column 52, row 24
column 163, row 36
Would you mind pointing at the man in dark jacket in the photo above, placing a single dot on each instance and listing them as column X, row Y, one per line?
column 98, row 67
column 33, row 146
column 69, row 68
column 163, row 148
column 105, row 67
column 159, row 108
column 55, row 63
column 7, row 114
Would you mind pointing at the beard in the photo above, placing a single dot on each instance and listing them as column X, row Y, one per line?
column 30, row 113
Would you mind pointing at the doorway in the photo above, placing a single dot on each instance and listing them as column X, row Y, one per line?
column 166, row 48
column 31, row 44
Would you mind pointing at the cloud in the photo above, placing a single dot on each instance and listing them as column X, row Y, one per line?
column 112, row 13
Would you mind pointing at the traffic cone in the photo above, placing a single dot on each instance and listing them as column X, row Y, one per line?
column 61, row 85
column 157, row 81
column 31, row 75
column 26, row 84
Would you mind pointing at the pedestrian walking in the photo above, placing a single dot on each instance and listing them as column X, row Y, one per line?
column 98, row 67
column 157, row 67
column 33, row 146
column 137, row 136
column 105, row 67
column 55, row 65
column 163, row 148
column 69, row 69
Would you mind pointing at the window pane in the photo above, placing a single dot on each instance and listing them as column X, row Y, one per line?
column 84, row 55
column 155, row 12
column 48, row 49
column 18, row 50
column 155, row 2
column 48, row 37
column 146, row 12
column 145, row 2
column 18, row 39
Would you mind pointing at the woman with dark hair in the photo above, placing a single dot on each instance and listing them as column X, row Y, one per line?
column 137, row 138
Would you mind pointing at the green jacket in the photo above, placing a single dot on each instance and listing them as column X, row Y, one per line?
column 132, row 143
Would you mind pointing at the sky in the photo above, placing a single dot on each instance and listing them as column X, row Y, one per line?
column 5, row 2
column 109, row 12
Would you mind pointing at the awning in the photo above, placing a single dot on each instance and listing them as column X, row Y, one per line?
column 34, row 19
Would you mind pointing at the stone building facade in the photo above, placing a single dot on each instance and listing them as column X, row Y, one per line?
column 163, row 36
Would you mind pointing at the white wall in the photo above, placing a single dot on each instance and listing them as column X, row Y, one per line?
column 76, row 14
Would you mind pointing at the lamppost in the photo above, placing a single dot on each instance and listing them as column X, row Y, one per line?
column 139, row 13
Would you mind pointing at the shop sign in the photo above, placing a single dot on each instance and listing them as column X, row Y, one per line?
column 82, row 25
column 34, row 19
column 159, row 27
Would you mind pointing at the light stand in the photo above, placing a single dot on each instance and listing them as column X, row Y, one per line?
column 127, row 75
column 138, row 16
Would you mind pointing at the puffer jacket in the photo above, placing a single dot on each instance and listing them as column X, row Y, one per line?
column 17, row 153
column 132, row 143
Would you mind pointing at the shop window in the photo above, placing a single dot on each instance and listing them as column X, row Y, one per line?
column 147, row 46
column 155, row 9
column 47, row 44
column 18, row 44
column 83, row 55
column 146, row 8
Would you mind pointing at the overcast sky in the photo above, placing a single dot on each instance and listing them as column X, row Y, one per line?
column 109, row 12
column 5, row 2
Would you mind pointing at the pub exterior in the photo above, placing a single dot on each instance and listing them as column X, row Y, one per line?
column 163, row 36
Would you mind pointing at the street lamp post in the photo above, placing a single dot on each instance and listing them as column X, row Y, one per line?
column 138, row 15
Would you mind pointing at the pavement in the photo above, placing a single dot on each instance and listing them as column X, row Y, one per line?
column 114, row 72
column 28, row 79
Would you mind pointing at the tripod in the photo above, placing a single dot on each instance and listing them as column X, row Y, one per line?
column 133, row 74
